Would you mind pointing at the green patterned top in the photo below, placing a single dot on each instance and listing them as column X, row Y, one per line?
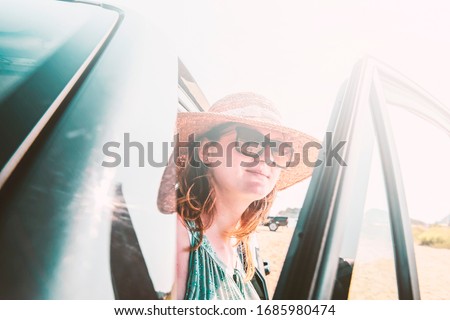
column 210, row 279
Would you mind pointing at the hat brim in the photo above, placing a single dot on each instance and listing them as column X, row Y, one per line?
column 199, row 122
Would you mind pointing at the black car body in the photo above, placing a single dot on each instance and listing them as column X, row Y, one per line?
column 274, row 222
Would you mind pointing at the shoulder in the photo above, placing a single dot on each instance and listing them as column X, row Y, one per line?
column 183, row 250
column 182, row 233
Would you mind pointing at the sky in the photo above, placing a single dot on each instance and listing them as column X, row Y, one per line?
column 299, row 53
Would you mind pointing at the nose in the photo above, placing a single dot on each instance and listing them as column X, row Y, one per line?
column 267, row 157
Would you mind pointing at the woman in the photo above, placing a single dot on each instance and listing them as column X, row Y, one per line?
column 238, row 157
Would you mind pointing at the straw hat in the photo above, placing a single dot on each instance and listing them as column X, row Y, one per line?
column 249, row 109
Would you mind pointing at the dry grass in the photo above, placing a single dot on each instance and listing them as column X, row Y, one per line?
column 434, row 236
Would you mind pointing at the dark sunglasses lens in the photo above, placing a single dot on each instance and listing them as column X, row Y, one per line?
column 250, row 143
column 250, row 149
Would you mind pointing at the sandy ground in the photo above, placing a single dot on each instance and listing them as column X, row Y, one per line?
column 371, row 280
column 273, row 248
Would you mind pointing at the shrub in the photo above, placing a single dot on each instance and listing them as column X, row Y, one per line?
column 416, row 232
column 435, row 236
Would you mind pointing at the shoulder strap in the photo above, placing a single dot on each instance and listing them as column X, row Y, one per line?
column 258, row 281
column 190, row 226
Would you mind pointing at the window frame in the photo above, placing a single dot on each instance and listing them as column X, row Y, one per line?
column 312, row 259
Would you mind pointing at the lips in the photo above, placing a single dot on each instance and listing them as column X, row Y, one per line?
column 256, row 172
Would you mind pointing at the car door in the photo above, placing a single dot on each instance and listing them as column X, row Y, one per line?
column 80, row 115
column 356, row 237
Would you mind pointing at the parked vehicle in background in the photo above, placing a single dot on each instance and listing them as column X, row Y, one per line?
column 274, row 222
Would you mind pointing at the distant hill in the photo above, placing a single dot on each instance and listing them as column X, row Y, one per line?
column 445, row 221
column 290, row 213
column 415, row 222
column 381, row 216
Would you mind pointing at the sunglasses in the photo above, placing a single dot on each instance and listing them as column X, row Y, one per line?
column 252, row 143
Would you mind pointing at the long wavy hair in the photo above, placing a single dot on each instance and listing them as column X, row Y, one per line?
column 196, row 200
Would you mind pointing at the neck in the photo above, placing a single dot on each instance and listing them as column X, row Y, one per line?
column 228, row 212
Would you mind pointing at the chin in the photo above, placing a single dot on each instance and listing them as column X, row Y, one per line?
column 259, row 194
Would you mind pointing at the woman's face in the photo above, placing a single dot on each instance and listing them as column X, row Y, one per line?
column 235, row 167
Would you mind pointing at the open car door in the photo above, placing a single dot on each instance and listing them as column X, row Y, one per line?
column 354, row 236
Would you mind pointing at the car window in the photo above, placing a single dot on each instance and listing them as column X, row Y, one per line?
column 190, row 96
column 26, row 46
column 424, row 154
column 43, row 53
column 371, row 254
